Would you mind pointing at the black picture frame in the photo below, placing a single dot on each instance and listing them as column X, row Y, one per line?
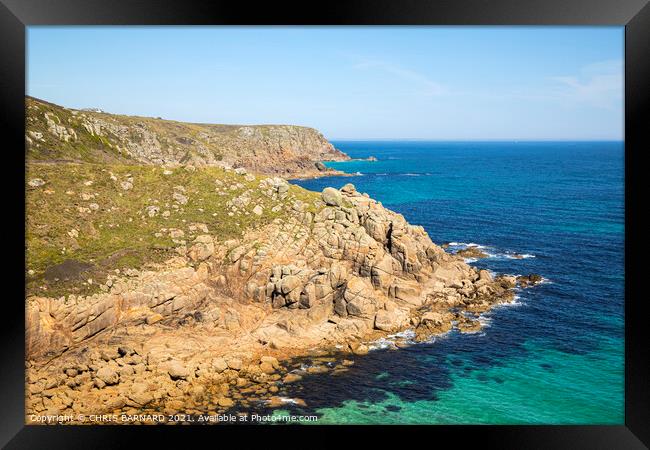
column 15, row 15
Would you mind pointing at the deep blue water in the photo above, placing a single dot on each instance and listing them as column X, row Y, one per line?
column 554, row 357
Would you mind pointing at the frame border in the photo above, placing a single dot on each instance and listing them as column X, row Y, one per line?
column 16, row 15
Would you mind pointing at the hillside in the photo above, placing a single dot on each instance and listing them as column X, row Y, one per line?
column 86, row 220
column 55, row 133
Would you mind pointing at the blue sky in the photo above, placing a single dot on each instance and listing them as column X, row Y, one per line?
column 442, row 83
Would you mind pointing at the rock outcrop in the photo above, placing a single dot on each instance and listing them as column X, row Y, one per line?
column 220, row 318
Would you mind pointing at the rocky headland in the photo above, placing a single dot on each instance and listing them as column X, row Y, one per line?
column 55, row 133
column 193, row 289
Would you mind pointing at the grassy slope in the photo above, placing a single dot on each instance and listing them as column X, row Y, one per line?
column 87, row 147
column 120, row 234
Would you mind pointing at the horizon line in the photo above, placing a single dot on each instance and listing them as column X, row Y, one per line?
column 482, row 139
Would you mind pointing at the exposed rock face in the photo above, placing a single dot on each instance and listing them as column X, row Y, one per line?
column 99, row 137
column 337, row 275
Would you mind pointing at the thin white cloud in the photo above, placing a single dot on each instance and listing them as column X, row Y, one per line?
column 598, row 84
column 425, row 85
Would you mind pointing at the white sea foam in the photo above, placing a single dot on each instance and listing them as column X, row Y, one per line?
column 479, row 331
column 433, row 339
column 380, row 344
column 406, row 336
column 515, row 255
column 466, row 245
column 516, row 301
column 491, row 252
column 485, row 321
column 288, row 400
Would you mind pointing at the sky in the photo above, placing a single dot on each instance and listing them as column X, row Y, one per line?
column 437, row 83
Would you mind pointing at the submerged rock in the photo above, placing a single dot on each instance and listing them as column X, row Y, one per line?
column 472, row 252
column 529, row 280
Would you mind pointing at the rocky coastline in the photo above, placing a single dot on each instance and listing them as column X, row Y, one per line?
column 173, row 270
column 217, row 327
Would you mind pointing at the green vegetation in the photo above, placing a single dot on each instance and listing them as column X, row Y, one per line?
column 109, row 217
column 85, row 146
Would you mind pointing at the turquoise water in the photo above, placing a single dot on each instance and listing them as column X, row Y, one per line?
column 557, row 355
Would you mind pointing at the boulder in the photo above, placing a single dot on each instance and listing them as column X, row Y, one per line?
column 202, row 249
column 177, row 371
column 408, row 292
column 267, row 368
column 270, row 360
column 332, row 197
column 386, row 320
column 484, row 275
column 108, row 375
column 234, row 363
column 359, row 296
column 36, row 182
column 529, row 280
column 433, row 323
column 507, row 281
column 308, row 296
column 225, row 402
column 289, row 283
column 472, row 252
column 291, row 378
column 219, row 364
column 152, row 211
column 381, row 272
column 154, row 318
column 359, row 348
column 141, row 399
column 361, row 307
column 180, row 198
column 341, row 307
column 433, row 318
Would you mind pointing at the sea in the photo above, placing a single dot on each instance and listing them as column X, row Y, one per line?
column 554, row 356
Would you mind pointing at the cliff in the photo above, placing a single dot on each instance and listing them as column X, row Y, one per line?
column 55, row 133
column 190, row 290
